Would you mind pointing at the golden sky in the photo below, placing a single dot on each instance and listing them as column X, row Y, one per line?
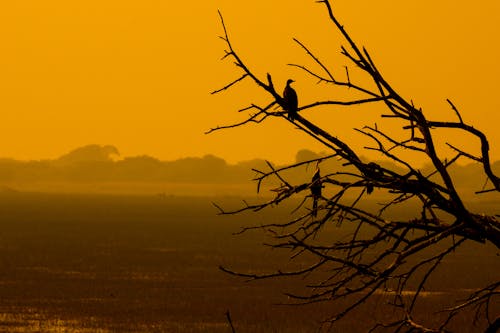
column 138, row 74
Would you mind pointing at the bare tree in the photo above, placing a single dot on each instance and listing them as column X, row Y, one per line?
column 381, row 253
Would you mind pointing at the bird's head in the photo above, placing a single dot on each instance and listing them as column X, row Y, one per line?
column 289, row 81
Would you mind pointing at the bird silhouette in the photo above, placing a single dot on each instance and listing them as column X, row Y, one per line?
column 373, row 171
column 291, row 100
column 316, row 191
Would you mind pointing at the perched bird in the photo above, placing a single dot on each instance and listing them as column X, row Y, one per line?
column 373, row 171
column 316, row 191
column 291, row 100
column 369, row 188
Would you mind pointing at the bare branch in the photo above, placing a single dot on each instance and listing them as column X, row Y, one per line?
column 456, row 111
column 229, row 85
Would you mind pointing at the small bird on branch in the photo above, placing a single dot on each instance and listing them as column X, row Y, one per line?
column 369, row 188
column 373, row 171
column 316, row 188
column 291, row 100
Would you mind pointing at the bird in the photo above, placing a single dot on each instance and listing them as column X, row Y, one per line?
column 369, row 188
column 316, row 188
column 373, row 171
column 290, row 100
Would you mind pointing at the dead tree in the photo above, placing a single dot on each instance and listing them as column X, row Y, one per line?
column 380, row 254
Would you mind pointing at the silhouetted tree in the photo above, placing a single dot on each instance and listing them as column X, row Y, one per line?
column 380, row 254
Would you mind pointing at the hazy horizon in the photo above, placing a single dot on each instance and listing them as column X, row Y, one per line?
column 102, row 169
column 293, row 158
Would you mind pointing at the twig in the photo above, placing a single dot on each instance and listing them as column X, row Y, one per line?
column 228, row 316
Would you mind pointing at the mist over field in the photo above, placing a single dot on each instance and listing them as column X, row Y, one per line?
column 101, row 169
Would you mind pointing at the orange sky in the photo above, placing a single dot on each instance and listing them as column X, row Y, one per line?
column 137, row 74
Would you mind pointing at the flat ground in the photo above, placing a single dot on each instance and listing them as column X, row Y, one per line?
column 82, row 263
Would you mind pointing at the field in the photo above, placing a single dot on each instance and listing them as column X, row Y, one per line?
column 103, row 263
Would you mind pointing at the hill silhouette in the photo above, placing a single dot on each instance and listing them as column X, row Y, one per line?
column 89, row 153
column 99, row 166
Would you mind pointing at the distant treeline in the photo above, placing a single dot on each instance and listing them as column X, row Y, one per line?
column 94, row 163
